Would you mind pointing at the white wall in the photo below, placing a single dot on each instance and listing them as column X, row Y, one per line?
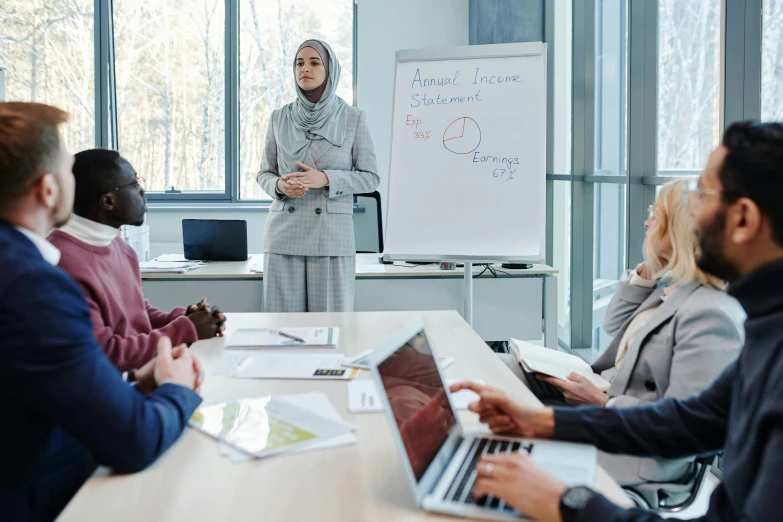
column 384, row 26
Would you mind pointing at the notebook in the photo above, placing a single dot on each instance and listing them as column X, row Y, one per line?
column 320, row 337
column 537, row 359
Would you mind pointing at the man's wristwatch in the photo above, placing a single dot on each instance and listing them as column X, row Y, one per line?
column 573, row 501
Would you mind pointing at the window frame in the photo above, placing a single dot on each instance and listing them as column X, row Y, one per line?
column 741, row 22
column 106, row 125
column 619, row 128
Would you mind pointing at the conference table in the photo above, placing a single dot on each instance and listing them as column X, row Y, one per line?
column 507, row 304
column 365, row 481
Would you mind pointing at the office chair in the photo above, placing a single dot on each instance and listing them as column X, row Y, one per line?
column 377, row 197
column 697, row 477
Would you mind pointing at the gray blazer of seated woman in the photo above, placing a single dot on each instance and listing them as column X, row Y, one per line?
column 318, row 153
column 674, row 330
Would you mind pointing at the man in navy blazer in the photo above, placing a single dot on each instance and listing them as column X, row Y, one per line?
column 64, row 408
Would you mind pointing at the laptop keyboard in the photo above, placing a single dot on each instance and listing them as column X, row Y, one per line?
column 461, row 489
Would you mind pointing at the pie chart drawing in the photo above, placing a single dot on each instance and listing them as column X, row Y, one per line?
column 462, row 136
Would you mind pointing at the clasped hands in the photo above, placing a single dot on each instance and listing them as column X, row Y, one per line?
column 296, row 184
column 172, row 365
column 208, row 320
column 176, row 364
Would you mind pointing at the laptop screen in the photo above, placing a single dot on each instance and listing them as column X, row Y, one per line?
column 215, row 239
column 418, row 401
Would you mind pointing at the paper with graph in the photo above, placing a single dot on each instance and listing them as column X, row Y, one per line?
column 265, row 426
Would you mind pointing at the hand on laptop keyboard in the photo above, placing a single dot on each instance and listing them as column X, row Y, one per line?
column 521, row 483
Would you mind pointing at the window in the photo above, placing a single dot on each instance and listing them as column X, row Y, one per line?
column 560, row 149
column 609, row 252
column 562, row 88
column 611, row 88
column 170, row 76
column 48, row 50
column 561, row 256
column 611, row 158
column 772, row 61
column 689, row 71
column 270, row 34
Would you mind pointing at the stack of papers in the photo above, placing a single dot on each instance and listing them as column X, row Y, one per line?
column 257, row 268
column 285, row 366
column 321, row 337
column 363, row 396
column 266, row 426
column 168, row 267
column 371, row 269
column 314, row 402
column 172, row 258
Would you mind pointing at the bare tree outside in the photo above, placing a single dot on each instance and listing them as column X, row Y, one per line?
column 47, row 48
column 772, row 61
column 270, row 34
column 170, row 65
column 689, row 75
column 170, row 69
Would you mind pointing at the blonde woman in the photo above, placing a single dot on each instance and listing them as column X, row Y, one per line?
column 674, row 331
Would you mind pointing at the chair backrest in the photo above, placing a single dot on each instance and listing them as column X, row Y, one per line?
column 368, row 223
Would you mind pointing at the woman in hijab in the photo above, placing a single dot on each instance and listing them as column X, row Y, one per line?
column 318, row 153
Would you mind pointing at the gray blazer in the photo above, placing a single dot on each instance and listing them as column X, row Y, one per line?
column 690, row 339
column 321, row 222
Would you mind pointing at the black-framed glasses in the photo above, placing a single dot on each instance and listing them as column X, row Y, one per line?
column 139, row 182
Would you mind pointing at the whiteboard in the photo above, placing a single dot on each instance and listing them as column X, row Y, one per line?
column 467, row 177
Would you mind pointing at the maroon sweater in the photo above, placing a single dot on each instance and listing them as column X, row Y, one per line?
column 124, row 323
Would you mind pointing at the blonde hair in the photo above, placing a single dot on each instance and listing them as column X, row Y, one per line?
column 675, row 222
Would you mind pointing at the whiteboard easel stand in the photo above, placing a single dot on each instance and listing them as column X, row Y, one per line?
column 404, row 167
column 468, row 310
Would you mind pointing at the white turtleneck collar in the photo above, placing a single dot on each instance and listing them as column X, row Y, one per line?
column 90, row 232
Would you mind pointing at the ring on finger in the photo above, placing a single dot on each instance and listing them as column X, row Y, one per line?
column 488, row 470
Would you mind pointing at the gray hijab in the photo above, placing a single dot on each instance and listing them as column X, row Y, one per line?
column 303, row 121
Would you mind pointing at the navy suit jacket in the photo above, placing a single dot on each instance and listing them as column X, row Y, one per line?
column 64, row 407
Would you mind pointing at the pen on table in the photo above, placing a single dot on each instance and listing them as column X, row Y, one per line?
column 289, row 336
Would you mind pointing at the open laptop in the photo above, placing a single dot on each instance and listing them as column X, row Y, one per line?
column 439, row 457
column 215, row 239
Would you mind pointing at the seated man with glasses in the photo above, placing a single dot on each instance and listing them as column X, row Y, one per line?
column 109, row 195
column 738, row 216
